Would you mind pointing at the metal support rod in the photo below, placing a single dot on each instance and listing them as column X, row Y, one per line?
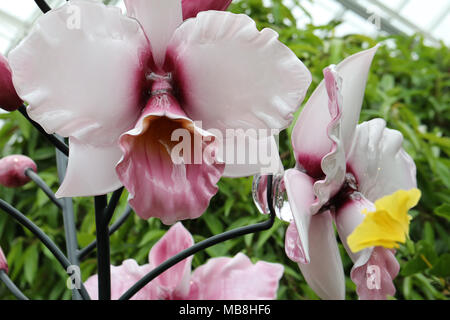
column 68, row 217
column 112, row 205
column 116, row 225
column 57, row 253
column 204, row 245
column 43, row 186
column 42, row 4
column 103, row 250
column 11, row 286
column 60, row 145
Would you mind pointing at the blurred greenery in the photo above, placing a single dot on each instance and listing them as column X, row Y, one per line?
column 408, row 86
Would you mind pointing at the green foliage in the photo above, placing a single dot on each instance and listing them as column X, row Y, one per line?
column 408, row 86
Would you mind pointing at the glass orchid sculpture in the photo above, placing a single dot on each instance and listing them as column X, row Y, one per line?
column 157, row 101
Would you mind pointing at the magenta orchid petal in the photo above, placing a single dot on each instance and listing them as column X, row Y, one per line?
column 374, row 279
column 333, row 164
column 177, row 186
column 123, row 277
column 251, row 156
column 324, row 273
column 9, row 100
column 235, row 279
column 347, row 217
column 299, row 188
column 175, row 281
column 90, row 171
column 159, row 19
column 263, row 89
column 3, row 262
column 192, row 7
column 82, row 82
column 12, row 170
column 310, row 136
column 379, row 163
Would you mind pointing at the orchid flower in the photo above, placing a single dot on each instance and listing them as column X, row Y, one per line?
column 219, row 279
column 12, row 170
column 342, row 168
column 120, row 86
column 3, row 262
column 9, row 100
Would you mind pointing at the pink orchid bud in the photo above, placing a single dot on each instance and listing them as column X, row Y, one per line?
column 3, row 262
column 9, row 100
column 12, row 170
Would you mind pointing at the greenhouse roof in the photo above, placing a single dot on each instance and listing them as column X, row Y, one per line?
column 369, row 17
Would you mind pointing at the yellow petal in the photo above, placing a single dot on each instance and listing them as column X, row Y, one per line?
column 388, row 224
column 398, row 204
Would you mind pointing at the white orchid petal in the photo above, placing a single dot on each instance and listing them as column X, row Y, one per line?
column 82, row 78
column 310, row 137
column 91, row 170
column 159, row 18
column 299, row 188
column 324, row 273
column 348, row 216
column 231, row 76
column 380, row 164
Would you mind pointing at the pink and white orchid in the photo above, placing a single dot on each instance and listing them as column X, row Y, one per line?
column 119, row 86
column 219, row 279
column 342, row 168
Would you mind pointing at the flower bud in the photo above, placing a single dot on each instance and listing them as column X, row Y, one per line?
column 3, row 262
column 12, row 170
column 9, row 100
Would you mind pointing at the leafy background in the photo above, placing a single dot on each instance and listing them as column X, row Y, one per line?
column 408, row 86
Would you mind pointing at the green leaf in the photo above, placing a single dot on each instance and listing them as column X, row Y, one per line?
column 31, row 263
column 413, row 266
column 443, row 211
column 442, row 267
column 85, row 238
column 428, row 233
column 213, row 223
